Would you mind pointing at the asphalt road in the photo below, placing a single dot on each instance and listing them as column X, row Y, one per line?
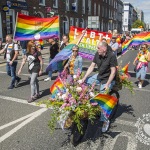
column 23, row 126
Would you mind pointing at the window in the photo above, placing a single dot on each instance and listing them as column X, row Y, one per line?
column 83, row 6
column 99, row 9
column 89, row 7
column 71, row 21
column 55, row 3
column 76, row 22
column 41, row 2
column 25, row 12
column 67, row 5
column 75, row 6
column 94, row 9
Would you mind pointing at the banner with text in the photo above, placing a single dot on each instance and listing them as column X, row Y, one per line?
column 88, row 45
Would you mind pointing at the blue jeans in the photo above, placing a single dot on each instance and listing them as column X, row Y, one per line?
column 11, row 71
column 24, row 51
column 54, row 67
column 90, row 80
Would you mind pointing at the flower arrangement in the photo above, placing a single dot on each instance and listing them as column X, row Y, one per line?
column 71, row 103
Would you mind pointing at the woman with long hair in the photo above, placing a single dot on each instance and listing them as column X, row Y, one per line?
column 35, row 66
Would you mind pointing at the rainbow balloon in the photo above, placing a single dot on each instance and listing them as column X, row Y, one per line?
column 106, row 102
column 33, row 28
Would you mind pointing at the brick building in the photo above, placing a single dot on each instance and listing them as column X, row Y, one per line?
column 96, row 14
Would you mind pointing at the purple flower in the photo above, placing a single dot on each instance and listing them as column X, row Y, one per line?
column 94, row 104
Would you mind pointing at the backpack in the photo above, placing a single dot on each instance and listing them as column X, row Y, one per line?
column 12, row 53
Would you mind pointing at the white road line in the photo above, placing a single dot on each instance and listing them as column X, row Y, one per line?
column 21, row 101
column 18, row 120
column 8, row 134
column 124, row 122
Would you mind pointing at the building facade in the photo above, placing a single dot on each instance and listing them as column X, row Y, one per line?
column 101, row 15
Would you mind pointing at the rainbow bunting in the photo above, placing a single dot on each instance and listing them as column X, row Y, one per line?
column 57, row 87
column 33, row 28
column 106, row 102
column 64, row 54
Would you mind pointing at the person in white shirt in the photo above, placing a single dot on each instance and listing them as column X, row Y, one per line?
column 114, row 45
column 11, row 52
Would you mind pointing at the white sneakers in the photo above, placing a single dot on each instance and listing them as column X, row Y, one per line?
column 105, row 126
column 140, row 85
column 47, row 79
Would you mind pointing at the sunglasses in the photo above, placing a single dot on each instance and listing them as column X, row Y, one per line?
column 143, row 47
column 74, row 50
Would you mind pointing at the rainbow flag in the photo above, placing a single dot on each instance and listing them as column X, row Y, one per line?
column 64, row 54
column 125, row 46
column 125, row 68
column 106, row 102
column 33, row 28
column 57, row 87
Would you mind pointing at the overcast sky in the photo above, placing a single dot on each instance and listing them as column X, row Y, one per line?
column 142, row 5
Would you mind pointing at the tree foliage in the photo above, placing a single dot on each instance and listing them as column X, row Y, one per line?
column 138, row 24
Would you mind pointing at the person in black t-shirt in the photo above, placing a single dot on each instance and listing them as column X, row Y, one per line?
column 54, row 48
column 35, row 66
column 106, row 62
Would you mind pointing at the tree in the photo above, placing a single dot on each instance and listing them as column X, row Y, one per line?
column 138, row 24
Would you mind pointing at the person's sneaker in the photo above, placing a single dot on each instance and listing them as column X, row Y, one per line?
column 140, row 86
column 31, row 99
column 105, row 126
column 47, row 79
column 36, row 96
column 10, row 87
column 17, row 82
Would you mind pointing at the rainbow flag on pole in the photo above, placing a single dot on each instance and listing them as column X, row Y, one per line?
column 125, row 68
column 106, row 102
column 33, row 28
column 57, row 87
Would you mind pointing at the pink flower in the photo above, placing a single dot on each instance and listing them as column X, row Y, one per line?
column 94, row 104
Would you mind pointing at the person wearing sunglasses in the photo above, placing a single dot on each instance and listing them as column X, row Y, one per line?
column 75, row 62
column 35, row 66
column 141, row 64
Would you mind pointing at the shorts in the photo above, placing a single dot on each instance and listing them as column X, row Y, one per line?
column 141, row 73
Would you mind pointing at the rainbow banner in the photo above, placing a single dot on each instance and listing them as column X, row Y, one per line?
column 106, row 102
column 33, row 28
column 64, row 54
column 88, row 45
column 57, row 87
column 141, row 38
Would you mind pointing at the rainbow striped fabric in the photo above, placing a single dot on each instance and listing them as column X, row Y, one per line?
column 33, row 28
column 57, row 87
column 141, row 38
column 106, row 102
column 64, row 54
column 125, row 69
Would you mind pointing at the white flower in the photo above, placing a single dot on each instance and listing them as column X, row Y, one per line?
column 67, row 90
column 78, row 89
column 80, row 81
column 64, row 96
column 91, row 94
column 58, row 94
column 71, row 87
column 74, row 76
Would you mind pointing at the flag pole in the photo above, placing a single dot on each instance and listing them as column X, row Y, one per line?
column 15, row 26
column 82, row 36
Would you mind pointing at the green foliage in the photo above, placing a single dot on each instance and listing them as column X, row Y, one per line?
column 138, row 24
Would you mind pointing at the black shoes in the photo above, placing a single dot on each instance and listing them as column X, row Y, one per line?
column 17, row 82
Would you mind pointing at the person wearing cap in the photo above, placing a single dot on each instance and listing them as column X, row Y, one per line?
column 54, row 49
column 114, row 45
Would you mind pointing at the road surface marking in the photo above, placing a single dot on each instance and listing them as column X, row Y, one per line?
column 21, row 101
column 131, row 145
column 14, row 130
